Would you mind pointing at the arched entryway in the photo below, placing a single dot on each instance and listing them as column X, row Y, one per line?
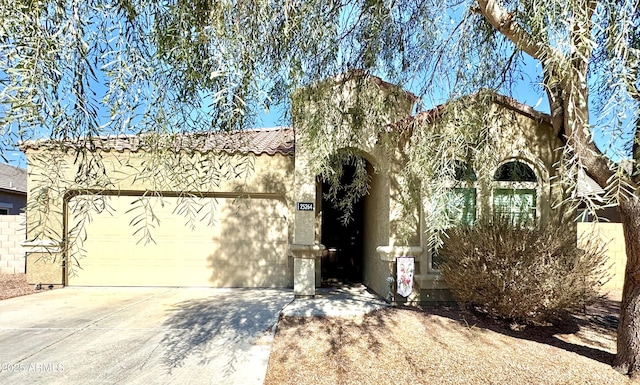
column 343, row 258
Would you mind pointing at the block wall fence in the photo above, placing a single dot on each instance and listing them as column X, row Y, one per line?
column 12, row 234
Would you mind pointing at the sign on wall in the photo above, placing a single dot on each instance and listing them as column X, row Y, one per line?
column 305, row 206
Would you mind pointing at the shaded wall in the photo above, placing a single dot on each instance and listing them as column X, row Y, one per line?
column 376, row 233
column 241, row 175
column 14, row 202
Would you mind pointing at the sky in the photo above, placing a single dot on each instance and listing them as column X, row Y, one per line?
column 15, row 157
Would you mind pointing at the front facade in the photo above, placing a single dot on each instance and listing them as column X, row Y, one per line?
column 256, row 213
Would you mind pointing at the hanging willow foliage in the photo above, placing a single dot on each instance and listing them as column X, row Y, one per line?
column 84, row 68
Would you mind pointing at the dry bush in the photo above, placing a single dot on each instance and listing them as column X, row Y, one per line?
column 522, row 274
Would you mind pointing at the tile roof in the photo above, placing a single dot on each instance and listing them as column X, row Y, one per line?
column 429, row 116
column 277, row 140
column 524, row 109
column 13, row 178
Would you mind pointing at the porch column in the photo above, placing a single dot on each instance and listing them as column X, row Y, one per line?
column 305, row 250
column 304, row 268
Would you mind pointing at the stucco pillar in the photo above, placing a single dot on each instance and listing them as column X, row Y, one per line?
column 44, row 262
column 304, row 268
column 304, row 248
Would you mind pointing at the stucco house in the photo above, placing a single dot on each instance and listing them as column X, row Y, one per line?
column 13, row 189
column 270, row 225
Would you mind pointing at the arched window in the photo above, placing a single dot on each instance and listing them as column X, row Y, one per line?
column 515, row 192
column 462, row 207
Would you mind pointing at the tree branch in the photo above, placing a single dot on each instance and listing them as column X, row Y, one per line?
column 503, row 22
column 576, row 106
column 635, row 149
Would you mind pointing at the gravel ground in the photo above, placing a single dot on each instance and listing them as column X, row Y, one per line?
column 444, row 346
column 15, row 285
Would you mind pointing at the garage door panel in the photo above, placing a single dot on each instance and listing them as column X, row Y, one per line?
column 254, row 252
column 246, row 246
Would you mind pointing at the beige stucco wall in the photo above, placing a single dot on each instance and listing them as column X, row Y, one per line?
column 515, row 135
column 535, row 143
column 52, row 175
column 376, row 233
column 391, row 229
column 611, row 234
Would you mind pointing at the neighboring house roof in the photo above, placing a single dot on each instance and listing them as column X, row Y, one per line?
column 13, row 179
column 277, row 140
column 587, row 187
column 588, row 190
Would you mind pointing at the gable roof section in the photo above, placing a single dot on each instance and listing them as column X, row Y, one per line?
column 277, row 140
column 522, row 108
column 381, row 84
column 13, row 179
column 510, row 103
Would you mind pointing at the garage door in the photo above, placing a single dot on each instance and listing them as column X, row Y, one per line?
column 240, row 243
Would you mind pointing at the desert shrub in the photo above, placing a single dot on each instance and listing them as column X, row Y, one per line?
column 530, row 275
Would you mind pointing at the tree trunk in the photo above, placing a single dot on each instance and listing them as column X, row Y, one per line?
column 627, row 358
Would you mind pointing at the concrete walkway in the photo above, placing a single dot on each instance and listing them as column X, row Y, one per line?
column 340, row 301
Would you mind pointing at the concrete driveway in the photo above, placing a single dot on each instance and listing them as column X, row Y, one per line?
column 139, row 336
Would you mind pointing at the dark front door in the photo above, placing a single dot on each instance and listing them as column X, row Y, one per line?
column 342, row 259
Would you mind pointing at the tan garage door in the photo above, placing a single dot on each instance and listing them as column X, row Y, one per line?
column 245, row 245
